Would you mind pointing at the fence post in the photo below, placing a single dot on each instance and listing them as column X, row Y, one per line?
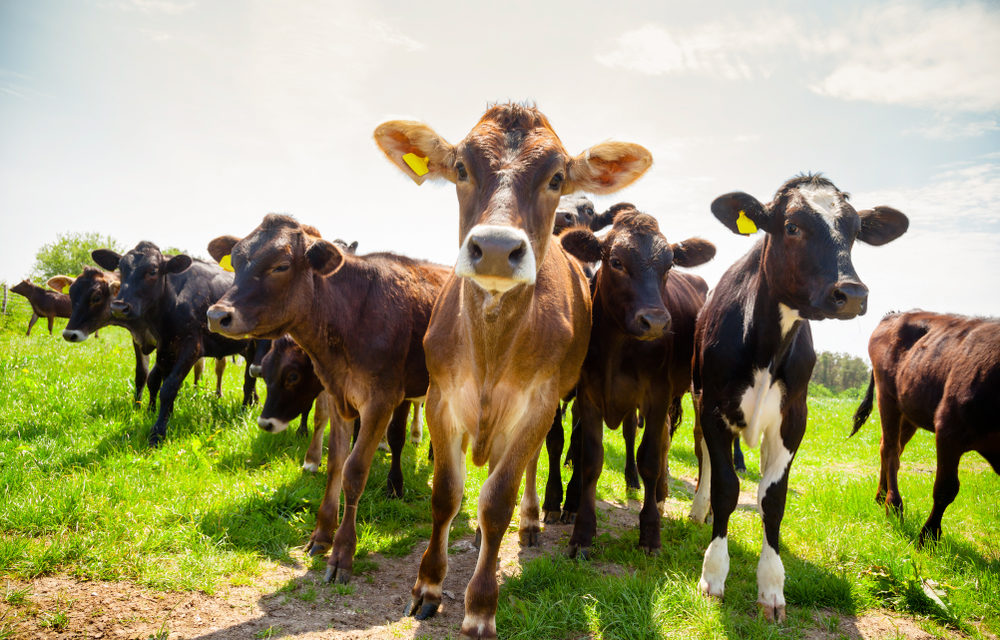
column 3, row 309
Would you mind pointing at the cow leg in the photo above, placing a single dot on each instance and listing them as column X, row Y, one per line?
column 553, row 484
column 374, row 421
column 738, row 462
column 397, row 437
column 327, row 516
column 663, row 484
column 141, row 373
column 778, row 447
column 153, row 384
column 315, row 452
column 31, row 323
column 946, row 484
column 496, row 507
column 530, row 527
column 198, row 369
column 717, row 445
column 416, row 424
column 701, row 504
column 249, row 382
column 220, row 368
column 573, row 450
column 50, row 319
column 889, row 451
column 171, row 385
column 650, row 463
column 586, row 471
column 629, row 427
column 446, row 498
column 303, row 423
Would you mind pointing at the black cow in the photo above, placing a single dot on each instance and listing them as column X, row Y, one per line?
column 169, row 297
column 754, row 353
column 938, row 372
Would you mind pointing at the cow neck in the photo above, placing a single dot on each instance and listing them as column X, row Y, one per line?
column 166, row 301
column 326, row 329
column 770, row 326
column 494, row 322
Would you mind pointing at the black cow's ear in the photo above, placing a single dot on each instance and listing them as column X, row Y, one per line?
column 581, row 244
column 177, row 264
column 693, row 252
column 324, row 257
column 741, row 213
column 222, row 247
column 353, row 247
column 882, row 225
column 106, row 258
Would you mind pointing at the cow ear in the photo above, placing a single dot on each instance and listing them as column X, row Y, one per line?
column 60, row 283
column 177, row 264
column 324, row 257
column 222, row 247
column 741, row 213
column 353, row 247
column 106, row 258
column 581, row 244
column 607, row 167
column 417, row 150
column 882, row 225
column 693, row 252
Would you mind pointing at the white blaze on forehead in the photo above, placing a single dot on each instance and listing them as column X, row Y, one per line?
column 823, row 200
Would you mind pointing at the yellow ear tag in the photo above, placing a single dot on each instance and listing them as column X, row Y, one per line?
column 65, row 289
column 415, row 162
column 744, row 224
column 227, row 263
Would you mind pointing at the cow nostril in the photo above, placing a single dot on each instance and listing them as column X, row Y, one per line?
column 517, row 254
column 226, row 320
column 475, row 251
column 839, row 297
column 644, row 323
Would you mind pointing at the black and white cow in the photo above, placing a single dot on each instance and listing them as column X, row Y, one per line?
column 754, row 352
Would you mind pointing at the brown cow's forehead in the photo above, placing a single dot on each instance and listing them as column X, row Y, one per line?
column 266, row 245
column 497, row 149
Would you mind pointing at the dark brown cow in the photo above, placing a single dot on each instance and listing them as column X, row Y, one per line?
column 940, row 373
column 44, row 303
column 639, row 358
column 510, row 328
column 754, row 353
column 361, row 320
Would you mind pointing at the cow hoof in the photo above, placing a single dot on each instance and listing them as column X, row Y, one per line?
column 338, row 575
column 478, row 542
column 568, row 517
column 393, row 493
column 383, row 446
column 316, row 548
column 311, row 467
column 772, row 613
column 576, row 551
column 478, row 627
column 422, row 610
column 414, row 440
column 155, row 440
column 529, row 537
column 649, row 550
column 633, row 484
column 551, row 517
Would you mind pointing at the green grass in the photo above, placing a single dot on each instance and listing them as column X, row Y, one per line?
column 82, row 494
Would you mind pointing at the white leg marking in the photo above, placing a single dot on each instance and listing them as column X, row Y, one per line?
column 701, row 503
column 770, row 579
column 715, row 568
column 310, row 467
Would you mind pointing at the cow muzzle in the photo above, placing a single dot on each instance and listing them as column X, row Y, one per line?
column 74, row 335
column 222, row 319
column 650, row 324
column 271, row 425
column 122, row 310
column 255, row 370
column 497, row 258
column 845, row 300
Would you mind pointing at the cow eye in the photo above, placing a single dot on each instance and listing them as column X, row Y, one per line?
column 96, row 298
column 792, row 229
column 463, row 174
column 556, row 182
column 293, row 377
column 151, row 273
column 616, row 263
column 280, row 268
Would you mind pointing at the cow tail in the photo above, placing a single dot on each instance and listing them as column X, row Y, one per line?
column 865, row 408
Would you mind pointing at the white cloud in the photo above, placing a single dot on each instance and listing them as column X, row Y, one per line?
column 946, row 127
column 393, row 36
column 151, row 6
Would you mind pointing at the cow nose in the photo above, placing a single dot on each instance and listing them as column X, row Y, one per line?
column 652, row 322
column 73, row 335
column 265, row 424
column 255, row 370
column 566, row 218
column 219, row 317
column 848, row 299
column 120, row 308
column 495, row 254
column 498, row 257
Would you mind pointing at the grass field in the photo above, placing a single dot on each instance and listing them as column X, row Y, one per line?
column 221, row 501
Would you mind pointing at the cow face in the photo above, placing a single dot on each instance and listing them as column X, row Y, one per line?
column 636, row 261
column 573, row 211
column 509, row 173
column 273, row 285
column 292, row 385
column 143, row 275
column 24, row 288
column 90, row 296
column 811, row 228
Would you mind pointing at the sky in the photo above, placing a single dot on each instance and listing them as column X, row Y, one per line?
column 180, row 120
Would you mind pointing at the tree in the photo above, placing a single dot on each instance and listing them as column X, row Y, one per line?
column 69, row 254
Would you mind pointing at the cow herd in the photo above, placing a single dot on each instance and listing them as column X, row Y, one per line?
column 539, row 310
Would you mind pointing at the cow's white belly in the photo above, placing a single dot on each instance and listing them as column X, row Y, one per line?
column 761, row 407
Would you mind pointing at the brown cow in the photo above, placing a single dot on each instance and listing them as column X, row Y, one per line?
column 940, row 373
column 44, row 303
column 361, row 320
column 510, row 328
column 639, row 358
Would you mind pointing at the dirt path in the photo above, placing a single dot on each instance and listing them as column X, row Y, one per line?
column 292, row 601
